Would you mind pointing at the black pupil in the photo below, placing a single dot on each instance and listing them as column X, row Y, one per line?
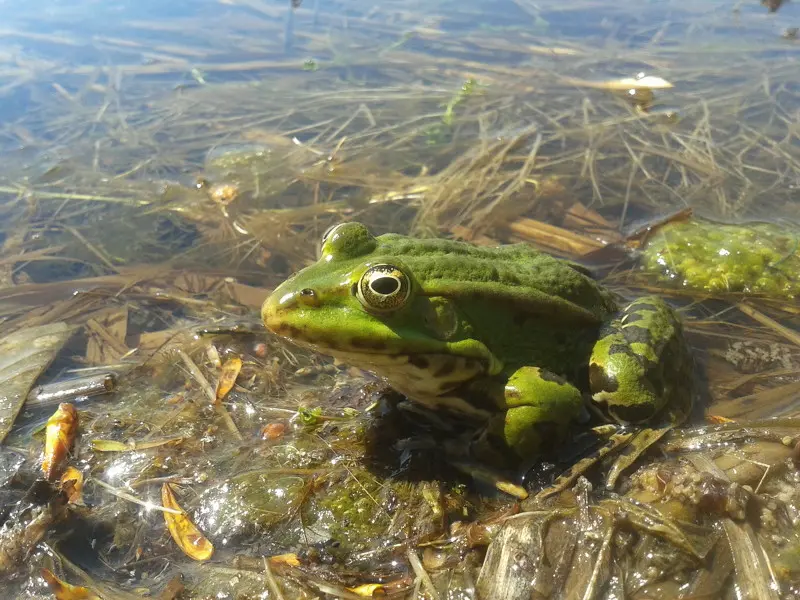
column 306, row 292
column 384, row 285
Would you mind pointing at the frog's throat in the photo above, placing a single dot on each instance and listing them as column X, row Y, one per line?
column 429, row 379
column 440, row 370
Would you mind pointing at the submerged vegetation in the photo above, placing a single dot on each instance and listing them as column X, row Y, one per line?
column 160, row 176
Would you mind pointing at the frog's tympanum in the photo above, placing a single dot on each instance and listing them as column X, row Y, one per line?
column 506, row 335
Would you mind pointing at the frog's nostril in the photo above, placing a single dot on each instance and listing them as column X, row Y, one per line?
column 307, row 297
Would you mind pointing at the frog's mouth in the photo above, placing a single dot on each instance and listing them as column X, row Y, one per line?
column 327, row 331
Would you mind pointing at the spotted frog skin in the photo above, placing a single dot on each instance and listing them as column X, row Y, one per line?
column 508, row 336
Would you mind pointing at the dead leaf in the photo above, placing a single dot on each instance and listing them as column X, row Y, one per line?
column 273, row 431
column 106, row 336
column 185, row 533
column 72, row 484
column 641, row 81
column 213, row 356
column 26, row 354
column 230, row 371
column 223, row 193
column 65, row 591
column 285, row 559
column 174, row 589
column 59, row 434
column 718, row 419
column 367, row 590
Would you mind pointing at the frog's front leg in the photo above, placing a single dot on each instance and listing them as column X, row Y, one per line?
column 536, row 409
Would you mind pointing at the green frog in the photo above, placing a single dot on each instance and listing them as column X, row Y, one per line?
column 525, row 343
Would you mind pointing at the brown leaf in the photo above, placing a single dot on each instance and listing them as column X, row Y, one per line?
column 273, row 431
column 174, row 589
column 26, row 354
column 223, row 193
column 185, row 533
column 718, row 419
column 106, row 336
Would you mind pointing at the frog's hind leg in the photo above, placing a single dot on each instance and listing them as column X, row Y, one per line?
column 628, row 444
column 637, row 367
column 640, row 374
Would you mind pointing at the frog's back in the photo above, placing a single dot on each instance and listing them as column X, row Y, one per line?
column 533, row 281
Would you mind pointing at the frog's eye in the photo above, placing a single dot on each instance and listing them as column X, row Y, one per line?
column 383, row 288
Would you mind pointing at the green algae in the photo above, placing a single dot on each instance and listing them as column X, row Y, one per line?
column 703, row 256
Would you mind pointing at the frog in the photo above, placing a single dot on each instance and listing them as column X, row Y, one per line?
column 526, row 345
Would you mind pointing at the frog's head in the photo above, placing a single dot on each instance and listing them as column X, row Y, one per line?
column 362, row 303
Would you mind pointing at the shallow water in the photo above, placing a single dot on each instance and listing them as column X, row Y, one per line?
column 141, row 91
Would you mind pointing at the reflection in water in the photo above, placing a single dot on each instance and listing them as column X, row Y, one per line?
column 772, row 5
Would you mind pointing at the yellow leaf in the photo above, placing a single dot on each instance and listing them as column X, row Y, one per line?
column 59, row 434
column 193, row 543
column 230, row 371
column 72, row 484
column 109, row 446
column 285, row 559
column 64, row 591
column 512, row 489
